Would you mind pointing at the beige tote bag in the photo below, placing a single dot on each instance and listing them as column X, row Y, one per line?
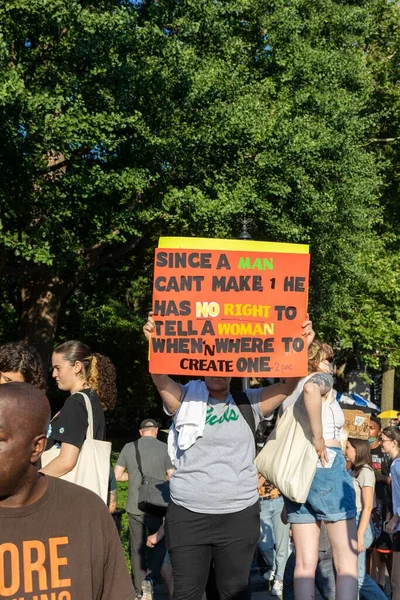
column 92, row 469
column 288, row 459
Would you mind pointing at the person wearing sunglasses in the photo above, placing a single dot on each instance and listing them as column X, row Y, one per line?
column 331, row 499
column 390, row 441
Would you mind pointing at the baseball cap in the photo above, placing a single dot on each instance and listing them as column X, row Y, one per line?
column 148, row 423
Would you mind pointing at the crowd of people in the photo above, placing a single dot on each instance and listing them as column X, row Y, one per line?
column 198, row 501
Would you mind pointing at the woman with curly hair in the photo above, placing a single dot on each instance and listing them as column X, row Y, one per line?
column 20, row 362
column 79, row 371
column 331, row 498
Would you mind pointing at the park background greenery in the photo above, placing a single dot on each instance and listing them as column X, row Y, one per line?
column 124, row 120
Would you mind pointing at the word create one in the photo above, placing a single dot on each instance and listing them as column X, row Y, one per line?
column 232, row 313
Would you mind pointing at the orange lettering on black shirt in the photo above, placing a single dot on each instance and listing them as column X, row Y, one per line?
column 12, row 551
column 57, row 561
column 33, row 564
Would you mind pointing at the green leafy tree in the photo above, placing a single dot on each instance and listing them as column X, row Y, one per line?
column 379, row 301
column 124, row 121
column 68, row 197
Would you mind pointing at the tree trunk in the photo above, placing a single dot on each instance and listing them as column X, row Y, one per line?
column 43, row 294
column 340, row 378
column 387, row 391
column 42, row 297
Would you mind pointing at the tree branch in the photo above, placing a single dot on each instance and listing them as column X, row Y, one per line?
column 116, row 253
column 22, row 271
column 96, row 259
column 394, row 139
column 379, row 141
column 98, row 246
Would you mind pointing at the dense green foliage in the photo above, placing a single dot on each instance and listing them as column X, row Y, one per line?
column 123, row 121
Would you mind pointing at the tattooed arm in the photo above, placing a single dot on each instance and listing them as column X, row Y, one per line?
column 323, row 380
column 317, row 386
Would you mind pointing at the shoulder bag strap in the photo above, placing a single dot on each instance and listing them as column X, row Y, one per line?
column 89, row 431
column 325, row 403
column 243, row 403
column 138, row 459
column 298, row 392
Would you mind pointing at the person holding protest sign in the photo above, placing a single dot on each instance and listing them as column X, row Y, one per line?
column 331, row 498
column 214, row 513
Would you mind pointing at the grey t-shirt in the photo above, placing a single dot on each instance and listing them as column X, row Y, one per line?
column 366, row 478
column 155, row 463
column 217, row 474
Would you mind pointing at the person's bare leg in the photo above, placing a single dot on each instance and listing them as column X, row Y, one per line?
column 374, row 566
column 381, row 566
column 343, row 540
column 389, row 563
column 306, row 539
column 395, row 578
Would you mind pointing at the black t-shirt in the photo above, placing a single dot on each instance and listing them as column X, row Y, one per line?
column 381, row 465
column 70, row 424
column 65, row 546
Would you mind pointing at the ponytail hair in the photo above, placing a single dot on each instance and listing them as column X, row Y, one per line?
column 97, row 370
column 102, row 379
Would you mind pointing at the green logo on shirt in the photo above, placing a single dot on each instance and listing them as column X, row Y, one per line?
column 228, row 415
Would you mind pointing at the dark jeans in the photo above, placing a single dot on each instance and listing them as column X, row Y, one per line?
column 195, row 539
column 140, row 526
column 324, row 576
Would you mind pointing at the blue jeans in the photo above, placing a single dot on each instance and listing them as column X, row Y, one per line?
column 274, row 538
column 331, row 496
column 368, row 589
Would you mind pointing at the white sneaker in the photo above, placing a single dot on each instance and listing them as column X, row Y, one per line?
column 277, row 588
column 147, row 590
column 269, row 575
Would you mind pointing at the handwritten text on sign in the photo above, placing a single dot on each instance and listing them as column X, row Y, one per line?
column 229, row 313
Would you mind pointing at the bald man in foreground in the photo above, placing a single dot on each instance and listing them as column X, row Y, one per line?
column 57, row 540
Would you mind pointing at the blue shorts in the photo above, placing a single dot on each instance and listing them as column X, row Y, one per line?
column 331, row 496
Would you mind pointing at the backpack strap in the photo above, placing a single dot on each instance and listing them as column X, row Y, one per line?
column 243, row 403
column 138, row 459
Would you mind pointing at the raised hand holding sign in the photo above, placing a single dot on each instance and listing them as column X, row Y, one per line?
column 229, row 312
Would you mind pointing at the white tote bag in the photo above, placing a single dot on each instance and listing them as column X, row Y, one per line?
column 288, row 459
column 92, row 469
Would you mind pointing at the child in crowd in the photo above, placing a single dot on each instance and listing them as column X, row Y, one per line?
column 358, row 454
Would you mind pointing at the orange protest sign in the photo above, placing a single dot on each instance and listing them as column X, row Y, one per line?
column 229, row 312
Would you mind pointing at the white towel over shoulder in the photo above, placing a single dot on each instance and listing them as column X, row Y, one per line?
column 190, row 420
